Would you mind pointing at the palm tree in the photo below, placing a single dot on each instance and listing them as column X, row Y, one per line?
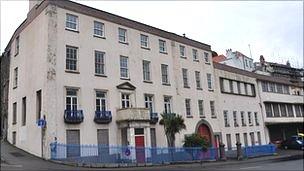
column 172, row 124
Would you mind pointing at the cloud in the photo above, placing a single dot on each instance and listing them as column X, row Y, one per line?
column 274, row 29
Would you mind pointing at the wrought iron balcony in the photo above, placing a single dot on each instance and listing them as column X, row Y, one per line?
column 73, row 116
column 103, row 117
column 153, row 118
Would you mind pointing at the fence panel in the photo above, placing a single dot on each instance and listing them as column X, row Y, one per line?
column 155, row 155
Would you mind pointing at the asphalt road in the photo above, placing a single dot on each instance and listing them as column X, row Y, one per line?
column 15, row 159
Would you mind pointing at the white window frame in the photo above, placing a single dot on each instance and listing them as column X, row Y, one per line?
column 206, row 57
column 198, row 79
column 201, row 108
column 99, row 63
column 185, row 77
column 167, row 104
column 122, row 35
column 144, row 41
column 17, row 45
column 256, row 118
column 188, row 107
column 226, row 118
column 209, row 81
column 149, row 102
column 195, row 54
column 15, row 80
column 182, row 51
column 101, row 101
column 235, row 120
column 250, row 118
column 70, row 58
column 124, row 68
column 73, row 105
column 162, row 46
column 212, row 108
column 146, row 70
column 100, row 29
column 243, row 119
column 71, row 22
column 165, row 74
column 125, row 100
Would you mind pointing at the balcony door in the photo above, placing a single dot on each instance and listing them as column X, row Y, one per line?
column 71, row 100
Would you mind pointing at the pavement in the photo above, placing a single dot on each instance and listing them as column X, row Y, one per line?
column 13, row 158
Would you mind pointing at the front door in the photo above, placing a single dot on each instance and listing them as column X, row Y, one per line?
column 140, row 148
column 204, row 131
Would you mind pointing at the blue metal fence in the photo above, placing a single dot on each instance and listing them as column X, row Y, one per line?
column 119, row 154
column 261, row 150
column 124, row 155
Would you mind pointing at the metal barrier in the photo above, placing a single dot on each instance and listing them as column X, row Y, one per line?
column 154, row 155
column 119, row 154
column 261, row 150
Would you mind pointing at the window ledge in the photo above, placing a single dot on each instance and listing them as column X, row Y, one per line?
column 146, row 48
column 183, row 57
column 68, row 29
column 97, row 36
column 15, row 87
column 146, row 81
column 189, row 116
column 202, row 116
column 125, row 43
column 199, row 88
column 73, row 72
column 166, row 53
column 166, row 84
column 207, row 63
column 195, row 60
column 100, row 75
column 186, row 86
column 213, row 117
column 125, row 78
column 16, row 54
column 210, row 90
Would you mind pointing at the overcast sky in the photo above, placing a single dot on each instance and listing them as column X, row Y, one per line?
column 273, row 29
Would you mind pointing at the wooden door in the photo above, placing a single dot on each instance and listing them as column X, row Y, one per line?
column 140, row 148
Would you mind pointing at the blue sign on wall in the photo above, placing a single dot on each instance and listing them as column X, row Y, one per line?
column 41, row 123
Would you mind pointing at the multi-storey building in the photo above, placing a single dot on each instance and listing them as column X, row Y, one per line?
column 235, row 59
column 239, row 108
column 282, row 103
column 97, row 78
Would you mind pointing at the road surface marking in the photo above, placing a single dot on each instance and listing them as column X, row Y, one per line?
column 253, row 167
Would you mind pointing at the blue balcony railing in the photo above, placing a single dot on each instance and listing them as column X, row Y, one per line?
column 73, row 116
column 103, row 117
column 153, row 118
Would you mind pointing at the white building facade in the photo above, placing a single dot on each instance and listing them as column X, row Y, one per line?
column 238, row 60
column 97, row 78
column 241, row 118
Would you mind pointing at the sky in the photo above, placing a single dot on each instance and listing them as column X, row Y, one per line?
column 273, row 29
